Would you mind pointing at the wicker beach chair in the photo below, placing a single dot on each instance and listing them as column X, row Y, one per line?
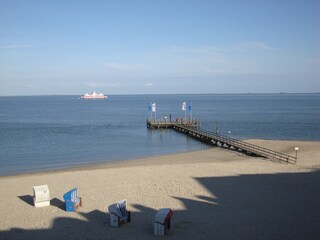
column 41, row 196
column 119, row 213
column 73, row 202
column 162, row 221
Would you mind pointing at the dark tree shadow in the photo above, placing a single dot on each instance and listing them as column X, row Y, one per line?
column 264, row 206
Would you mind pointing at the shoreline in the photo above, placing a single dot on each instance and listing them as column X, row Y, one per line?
column 101, row 165
column 150, row 160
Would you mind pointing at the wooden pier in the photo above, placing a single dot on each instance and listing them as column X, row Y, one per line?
column 194, row 130
column 159, row 124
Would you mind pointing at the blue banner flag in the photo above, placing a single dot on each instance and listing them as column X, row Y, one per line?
column 150, row 107
column 189, row 107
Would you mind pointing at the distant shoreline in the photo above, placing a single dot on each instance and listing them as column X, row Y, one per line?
column 146, row 94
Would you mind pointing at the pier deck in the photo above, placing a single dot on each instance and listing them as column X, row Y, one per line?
column 194, row 130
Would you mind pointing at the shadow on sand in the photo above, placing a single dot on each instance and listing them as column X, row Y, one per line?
column 27, row 199
column 58, row 203
column 264, row 206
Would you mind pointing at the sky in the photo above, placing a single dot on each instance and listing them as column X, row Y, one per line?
column 159, row 47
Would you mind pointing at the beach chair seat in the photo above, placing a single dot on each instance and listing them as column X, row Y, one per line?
column 41, row 196
column 119, row 213
column 73, row 202
column 162, row 221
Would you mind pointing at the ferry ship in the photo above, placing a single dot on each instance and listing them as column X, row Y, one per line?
column 94, row 95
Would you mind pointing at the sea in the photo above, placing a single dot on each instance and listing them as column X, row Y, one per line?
column 39, row 133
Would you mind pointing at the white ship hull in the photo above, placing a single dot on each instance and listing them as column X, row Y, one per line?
column 94, row 95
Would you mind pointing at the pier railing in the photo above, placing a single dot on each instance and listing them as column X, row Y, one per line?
column 160, row 123
column 195, row 131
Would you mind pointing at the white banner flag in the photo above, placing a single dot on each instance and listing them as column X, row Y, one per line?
column 184, row 106
column 153, row 107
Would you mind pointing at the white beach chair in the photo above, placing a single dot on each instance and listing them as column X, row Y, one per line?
column 119, row 213
column 41, row 196
column 162, row 221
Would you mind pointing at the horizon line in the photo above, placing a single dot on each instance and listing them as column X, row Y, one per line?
column 132, row 94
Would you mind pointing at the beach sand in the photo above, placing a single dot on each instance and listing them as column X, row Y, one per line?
column 215, row 194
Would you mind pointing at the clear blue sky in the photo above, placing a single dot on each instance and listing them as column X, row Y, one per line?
column 134, row 47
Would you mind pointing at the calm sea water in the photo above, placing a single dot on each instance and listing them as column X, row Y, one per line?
column 54, row 132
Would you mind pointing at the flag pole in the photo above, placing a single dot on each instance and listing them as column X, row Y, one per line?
column 154, row 110
column 184, row 108
column 191, row 112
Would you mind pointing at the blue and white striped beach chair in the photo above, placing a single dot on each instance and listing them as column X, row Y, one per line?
column 72, row 200
column 119, row 213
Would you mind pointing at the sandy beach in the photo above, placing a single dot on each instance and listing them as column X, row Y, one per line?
column 215, row 194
